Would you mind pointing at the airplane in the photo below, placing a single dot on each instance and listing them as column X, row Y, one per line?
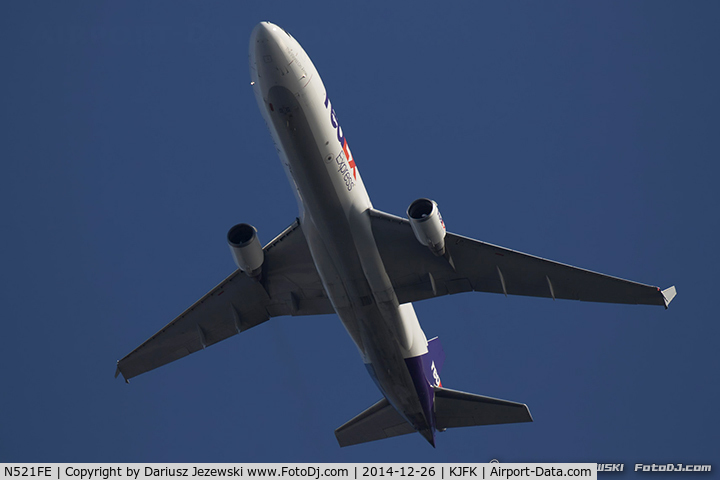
column 342, row 256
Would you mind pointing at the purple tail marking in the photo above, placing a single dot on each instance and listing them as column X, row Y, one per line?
column 433, row 362
column 425, row 372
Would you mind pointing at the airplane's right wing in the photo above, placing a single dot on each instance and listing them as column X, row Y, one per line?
column 290, row 285
column 472, row 265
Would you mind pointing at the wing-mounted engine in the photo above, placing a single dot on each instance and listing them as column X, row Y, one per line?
column 427, row 224
column 246, row 249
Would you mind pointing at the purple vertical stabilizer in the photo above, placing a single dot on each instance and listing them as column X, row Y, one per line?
column 433, row 362
column 425, row 372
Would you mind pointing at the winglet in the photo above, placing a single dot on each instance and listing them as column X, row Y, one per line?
column 668, row 294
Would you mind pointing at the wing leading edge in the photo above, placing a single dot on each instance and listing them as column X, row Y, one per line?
column 290, row 285
column 472, row 265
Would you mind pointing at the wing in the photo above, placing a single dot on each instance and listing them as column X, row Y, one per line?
column 471, row 265
column 290, row 286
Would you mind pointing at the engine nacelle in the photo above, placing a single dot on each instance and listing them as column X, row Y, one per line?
column 427, row 224
column 246, row 249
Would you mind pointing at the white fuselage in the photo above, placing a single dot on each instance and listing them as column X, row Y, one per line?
column 334, row 213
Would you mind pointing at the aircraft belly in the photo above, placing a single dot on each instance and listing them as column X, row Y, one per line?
column 334, row 208
column 325, row 223
column 338, row 236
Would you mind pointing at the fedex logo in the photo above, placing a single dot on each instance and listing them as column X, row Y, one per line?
column 345, row 154
column 344, row 170
column 435, row 375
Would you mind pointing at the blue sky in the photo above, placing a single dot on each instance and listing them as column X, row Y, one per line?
column 582, row 132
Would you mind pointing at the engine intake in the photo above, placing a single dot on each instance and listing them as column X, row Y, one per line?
column 427, row 224
column 246, row 249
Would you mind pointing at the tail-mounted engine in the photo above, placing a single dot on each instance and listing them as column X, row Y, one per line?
column 427, row 224
column 246, row 249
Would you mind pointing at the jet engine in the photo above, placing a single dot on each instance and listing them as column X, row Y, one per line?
column 246, row 249
column 427, row 224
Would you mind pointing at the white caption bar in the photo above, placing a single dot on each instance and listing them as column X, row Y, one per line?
column 294, row 471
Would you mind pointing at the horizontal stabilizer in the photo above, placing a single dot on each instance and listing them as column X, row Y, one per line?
column 459, row 409
column 377, row 422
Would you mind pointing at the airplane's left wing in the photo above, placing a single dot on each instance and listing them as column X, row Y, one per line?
column 471, row 265
column 289, row 285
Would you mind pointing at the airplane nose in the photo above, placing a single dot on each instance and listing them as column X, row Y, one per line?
column 261, row 32
column 266, row 46
column 266, row 37
column 258, row 37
